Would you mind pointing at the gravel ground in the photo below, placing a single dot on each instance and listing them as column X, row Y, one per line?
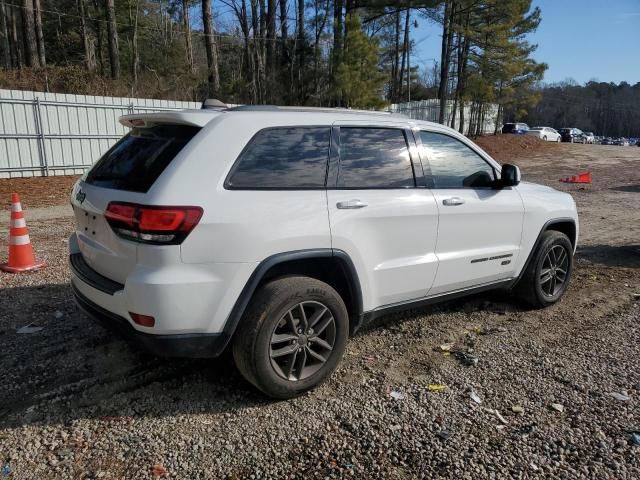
column 78, row 403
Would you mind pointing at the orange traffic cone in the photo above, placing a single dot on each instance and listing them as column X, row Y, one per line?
column 21, row 258
column 580, row 178
column 584, row 177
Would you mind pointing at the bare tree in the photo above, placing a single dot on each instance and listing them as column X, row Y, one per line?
column 213, row 77
column 29, row 34
column 135, row 55
column 271, row 37
column 89, row 54
column 112, row 31
column 445, row 60
column 186, row 24
column 39, row 35
column 16, row 48
column 5, row 49
column 284, row 24
column 98, row 29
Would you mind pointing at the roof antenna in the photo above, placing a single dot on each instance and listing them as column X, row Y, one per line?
column 213, row 104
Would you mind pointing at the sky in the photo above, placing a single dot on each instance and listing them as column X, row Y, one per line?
column 579, row 39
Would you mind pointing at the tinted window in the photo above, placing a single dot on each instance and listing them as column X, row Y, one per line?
column 287, row 157
column 374, row 158
column 138, row 159
column 453, row 164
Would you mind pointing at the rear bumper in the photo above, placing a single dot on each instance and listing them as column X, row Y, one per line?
column 193, row 345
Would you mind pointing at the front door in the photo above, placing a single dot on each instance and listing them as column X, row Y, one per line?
column 480, row 227
column 380, row 216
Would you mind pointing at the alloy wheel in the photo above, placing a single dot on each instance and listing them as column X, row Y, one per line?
column 554, row 270
column 302, row 340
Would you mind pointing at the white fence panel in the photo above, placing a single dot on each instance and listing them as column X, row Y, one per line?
column 429, row 110
column 61, row 134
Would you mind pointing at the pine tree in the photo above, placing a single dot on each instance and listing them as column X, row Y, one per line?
column 358, row 78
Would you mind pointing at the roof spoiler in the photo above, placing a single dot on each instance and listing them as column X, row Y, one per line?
column 213, row 104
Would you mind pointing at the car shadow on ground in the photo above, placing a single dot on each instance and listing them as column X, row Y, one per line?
column 610, row 255
column 73, row 369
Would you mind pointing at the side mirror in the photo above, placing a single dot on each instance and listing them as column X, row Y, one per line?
column 510, row 176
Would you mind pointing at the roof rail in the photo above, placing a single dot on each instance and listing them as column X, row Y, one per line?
column 278, row 108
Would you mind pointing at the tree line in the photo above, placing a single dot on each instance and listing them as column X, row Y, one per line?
column 607, row 109
column 352, row 53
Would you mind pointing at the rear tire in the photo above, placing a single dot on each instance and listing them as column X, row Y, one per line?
column 276, row 347
column 547, row 276
column 544, row 138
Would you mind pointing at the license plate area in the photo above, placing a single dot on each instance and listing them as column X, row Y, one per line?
column 87, row 222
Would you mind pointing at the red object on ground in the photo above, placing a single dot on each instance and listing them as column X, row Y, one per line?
column 580, row 178
column 21, row 258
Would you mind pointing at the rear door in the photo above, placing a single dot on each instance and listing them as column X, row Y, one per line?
column 125, row 173
column 380, row 215
column 480, row 227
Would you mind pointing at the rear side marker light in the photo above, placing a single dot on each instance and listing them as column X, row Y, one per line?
column 143, row 320
column 152, row 224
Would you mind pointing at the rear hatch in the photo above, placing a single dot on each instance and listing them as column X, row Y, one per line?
column 123, row 176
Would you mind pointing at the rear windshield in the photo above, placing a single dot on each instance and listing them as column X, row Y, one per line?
column 138, row 159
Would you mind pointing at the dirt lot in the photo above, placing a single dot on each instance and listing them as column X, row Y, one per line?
column 77, row 403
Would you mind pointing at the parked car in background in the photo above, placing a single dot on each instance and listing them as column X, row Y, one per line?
column 590, row 137
column 547, row 134
column 518, row 128
column 572, row 135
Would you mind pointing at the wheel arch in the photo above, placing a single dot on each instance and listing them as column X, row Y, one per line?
column 564, row 225
column 331, row 266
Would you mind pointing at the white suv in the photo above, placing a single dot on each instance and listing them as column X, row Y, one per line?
column 279, row 231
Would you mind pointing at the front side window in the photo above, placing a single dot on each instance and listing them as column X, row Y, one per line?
column 453, row 164
column 374, row 158
column 283, row 158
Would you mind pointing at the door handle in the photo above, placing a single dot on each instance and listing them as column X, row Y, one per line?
column 351, row 204
column 449, row 202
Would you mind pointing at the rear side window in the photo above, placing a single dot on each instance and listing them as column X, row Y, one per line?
column 453, row 164
column 138, row 159
column 283, row 158
column 374, row 158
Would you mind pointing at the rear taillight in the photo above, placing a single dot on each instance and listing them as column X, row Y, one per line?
column 152, row 224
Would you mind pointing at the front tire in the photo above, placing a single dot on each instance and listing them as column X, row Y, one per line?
column 544, row 138
column 547, row 276
column 292, row 336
